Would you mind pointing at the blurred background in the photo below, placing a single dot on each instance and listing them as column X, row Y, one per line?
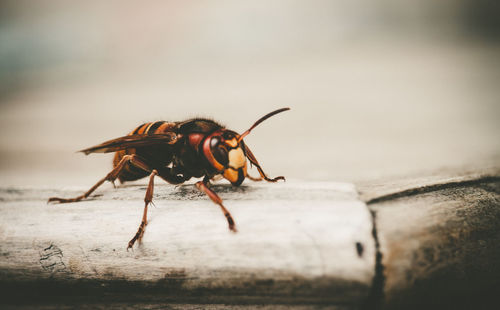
column 377, row 88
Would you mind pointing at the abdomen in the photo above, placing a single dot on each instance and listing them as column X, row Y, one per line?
column 153, row 155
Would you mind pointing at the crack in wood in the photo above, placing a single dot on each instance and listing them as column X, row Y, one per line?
column 376, row 297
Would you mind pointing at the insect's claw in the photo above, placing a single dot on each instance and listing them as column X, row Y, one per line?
column 130, row 246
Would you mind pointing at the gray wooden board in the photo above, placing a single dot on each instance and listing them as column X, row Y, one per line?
column 296, row 241
column 441, row 246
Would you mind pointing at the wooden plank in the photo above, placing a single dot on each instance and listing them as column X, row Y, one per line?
column 440, row 244
column 296, row 242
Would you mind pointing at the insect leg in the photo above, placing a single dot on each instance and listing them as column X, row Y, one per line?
column 147, row 200
column 258, row 179
column 111, row 176
column 203, row 186
column 254, row 161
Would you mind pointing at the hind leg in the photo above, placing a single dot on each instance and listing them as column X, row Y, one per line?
column 111, row 176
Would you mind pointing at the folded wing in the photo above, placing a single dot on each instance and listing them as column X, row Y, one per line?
column 132, row 141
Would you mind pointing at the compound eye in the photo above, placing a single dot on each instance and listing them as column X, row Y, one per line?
column 219, row 151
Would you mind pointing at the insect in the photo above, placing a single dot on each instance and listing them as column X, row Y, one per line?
column 177, row 152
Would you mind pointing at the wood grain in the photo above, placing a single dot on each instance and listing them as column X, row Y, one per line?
column 296, row 241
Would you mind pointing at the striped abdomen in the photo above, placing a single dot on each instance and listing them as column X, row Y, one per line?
column 154, row 155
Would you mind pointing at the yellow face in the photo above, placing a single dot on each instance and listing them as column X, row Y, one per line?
column 227, row 156
column 237, row 167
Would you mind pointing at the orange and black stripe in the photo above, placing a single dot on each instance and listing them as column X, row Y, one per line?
column 153, row 128
column 130, row 172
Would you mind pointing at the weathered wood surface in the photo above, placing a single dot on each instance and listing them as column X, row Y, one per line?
column 303, row 244
column 390, row 188
column 440, row 243
column 296, row 242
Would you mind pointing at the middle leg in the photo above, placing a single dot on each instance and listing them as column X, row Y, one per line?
column 147, row 200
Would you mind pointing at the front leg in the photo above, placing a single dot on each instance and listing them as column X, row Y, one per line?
column 254, row 162
column 203, row 186
column 258, row 179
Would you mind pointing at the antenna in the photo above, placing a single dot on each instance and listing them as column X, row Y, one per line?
column 263, row 118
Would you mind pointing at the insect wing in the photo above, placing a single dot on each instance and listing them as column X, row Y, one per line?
column 132, row 141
